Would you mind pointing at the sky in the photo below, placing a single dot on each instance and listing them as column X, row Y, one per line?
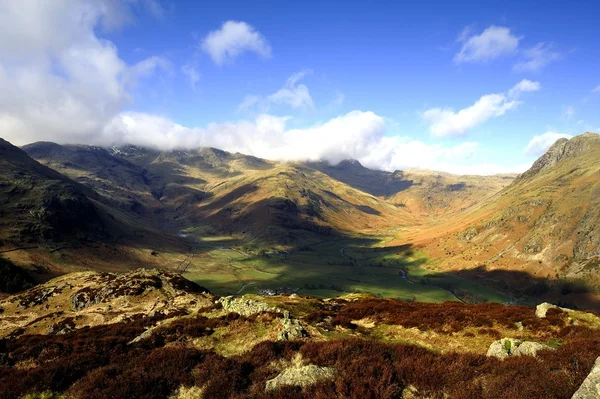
column 466, row 87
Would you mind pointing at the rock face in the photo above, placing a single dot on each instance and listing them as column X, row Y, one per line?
column 292, row 329
column 514, row 347
column 590, row 389
column 243, row 306
column 300, row 376
column 560, row 150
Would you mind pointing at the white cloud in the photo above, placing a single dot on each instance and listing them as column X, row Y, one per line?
column 537, row 57
column 233, row 39
column 492, row 43
column 248, row 102
column 596, row 90
column 58, row 79
column 294, row 94
column 524, row 86
column 191, row 73
column 61, row 81
column 446, row 122
column 538, row 145
column 357, row 134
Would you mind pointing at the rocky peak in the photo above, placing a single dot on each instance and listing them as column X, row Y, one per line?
column 562, row 149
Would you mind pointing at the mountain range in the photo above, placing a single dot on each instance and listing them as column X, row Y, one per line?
column 233, row 222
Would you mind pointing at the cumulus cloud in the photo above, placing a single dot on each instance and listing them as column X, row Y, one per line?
column 233, row 39
column 58, row 79
column 445, row 122
column 538, row 145
column 294, row 94
column 494, row 42
column 191, row 73
column 537, row 57
column 69, row 85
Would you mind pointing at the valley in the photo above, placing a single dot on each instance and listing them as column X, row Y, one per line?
column 238, row 224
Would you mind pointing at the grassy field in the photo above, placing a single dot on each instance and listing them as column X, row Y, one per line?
column 332, row 267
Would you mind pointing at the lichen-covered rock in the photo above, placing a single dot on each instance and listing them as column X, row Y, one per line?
column 506, row 347
column 292, row 329
column 542, row 309
column 590, row 388
column 300, row 376
column 503, row 348
column 243, row 306
column 530, row 348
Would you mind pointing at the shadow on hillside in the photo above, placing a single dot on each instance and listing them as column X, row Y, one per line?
column 532, row 289
column 375, row 182
column 456, row 187
column 335, row 265
column 362, row 208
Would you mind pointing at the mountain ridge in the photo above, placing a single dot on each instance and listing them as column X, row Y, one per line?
column 467, row 226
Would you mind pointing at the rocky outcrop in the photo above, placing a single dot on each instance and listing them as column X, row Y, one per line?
column 114, row 286
column 533, row 245
column 292, row 329
column 542, row 309
column 468, row 234
column 560, row 150
column 243, row 306
column 590, row 389
column 300, row 376
column 506, row 347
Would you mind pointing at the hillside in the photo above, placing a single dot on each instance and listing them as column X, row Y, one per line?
column 257, row 200
column 425, row 193
column 39, row 204
column 237, row 223
column 543, row 226
column 154, row 334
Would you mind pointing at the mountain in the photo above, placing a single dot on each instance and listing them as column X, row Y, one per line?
column 545, row 224
column 39, row 204
column 258, row 200
column 234, row 222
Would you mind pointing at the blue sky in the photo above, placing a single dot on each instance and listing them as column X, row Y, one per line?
column 466, row 87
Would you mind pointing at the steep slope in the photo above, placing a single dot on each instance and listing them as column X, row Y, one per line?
column 545, row 224
column 38, row 204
